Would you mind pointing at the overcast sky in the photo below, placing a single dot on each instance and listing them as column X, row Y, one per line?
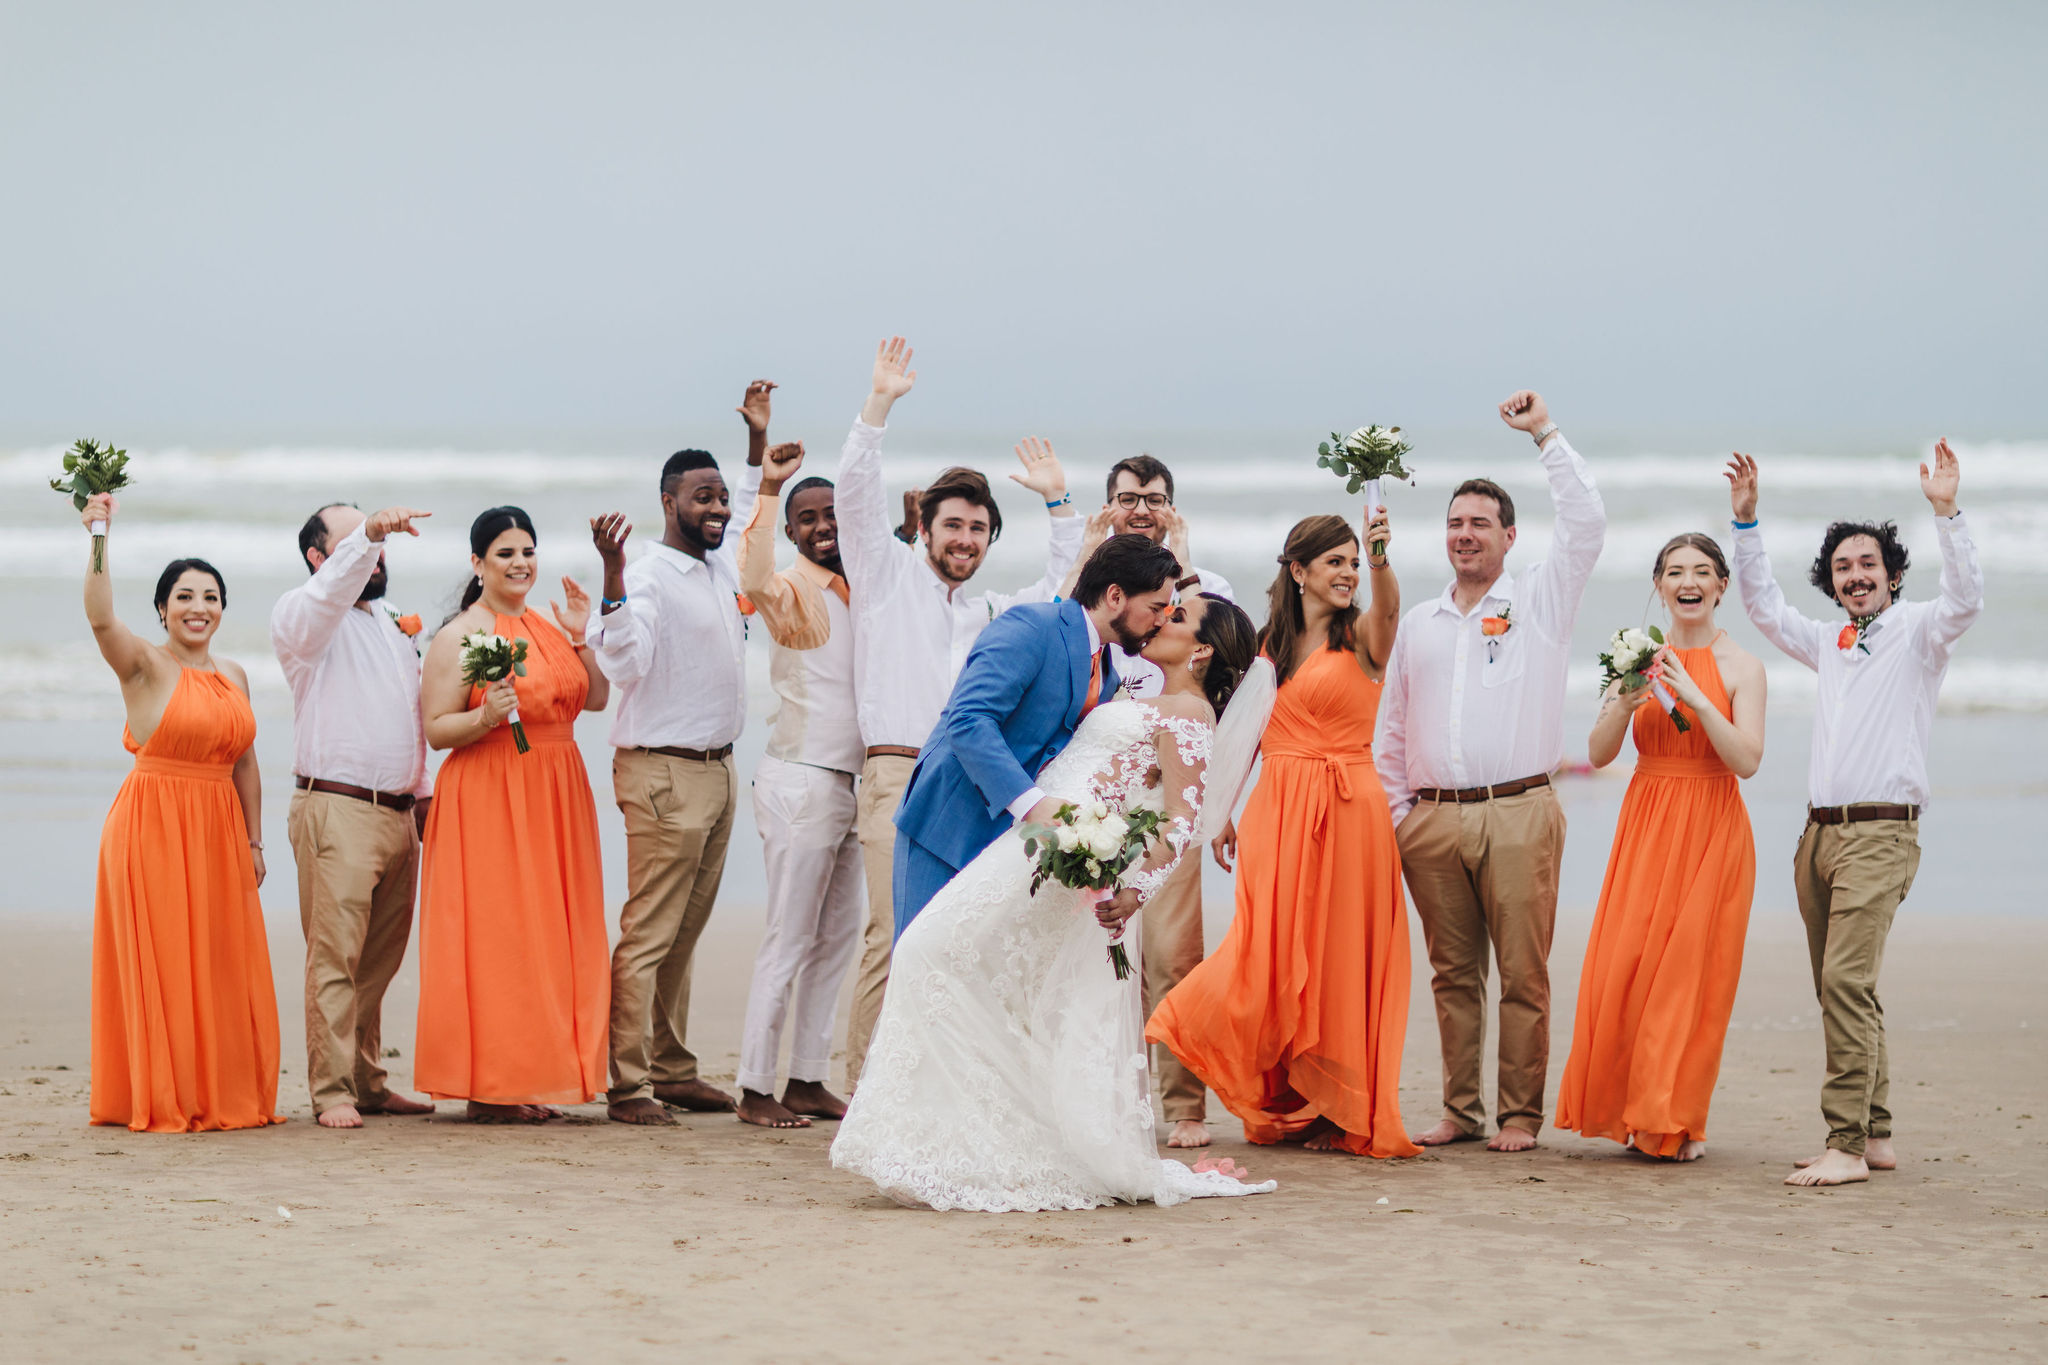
column 438, row 218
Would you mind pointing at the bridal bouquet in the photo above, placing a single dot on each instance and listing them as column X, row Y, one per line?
column 1089, row 847
column 1629, row 655
column 1363, row 459
column 91, row 468
column 486, row 658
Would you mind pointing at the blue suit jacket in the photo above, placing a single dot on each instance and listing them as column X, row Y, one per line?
column 1015, row 705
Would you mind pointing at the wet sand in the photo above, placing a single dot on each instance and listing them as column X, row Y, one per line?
column 435, row 1240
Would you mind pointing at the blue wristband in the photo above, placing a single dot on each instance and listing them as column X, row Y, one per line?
column 1065, row 498
column 608, row 603
column 1743, row 525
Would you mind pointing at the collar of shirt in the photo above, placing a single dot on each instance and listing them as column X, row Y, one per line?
column 1502, row 590
column 1094, row 635
column 822, row 576
column 674, row 558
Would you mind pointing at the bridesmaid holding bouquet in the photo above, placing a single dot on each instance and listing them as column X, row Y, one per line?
column 1661, row 968
column 515, row 972
column 184, row 1017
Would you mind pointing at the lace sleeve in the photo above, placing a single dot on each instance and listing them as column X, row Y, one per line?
column 1181, row 744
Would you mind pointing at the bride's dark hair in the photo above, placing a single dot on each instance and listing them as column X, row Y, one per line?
column 1234, row 644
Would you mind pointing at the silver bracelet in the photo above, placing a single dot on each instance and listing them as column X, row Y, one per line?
column 1543, row 433
column 256, row 844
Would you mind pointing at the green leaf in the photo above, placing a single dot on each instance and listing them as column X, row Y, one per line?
column 1657, row 635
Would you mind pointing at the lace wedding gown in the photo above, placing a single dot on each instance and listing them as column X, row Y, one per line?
column 1008, row 1070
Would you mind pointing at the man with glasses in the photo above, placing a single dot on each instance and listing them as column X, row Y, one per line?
column 1140, row 502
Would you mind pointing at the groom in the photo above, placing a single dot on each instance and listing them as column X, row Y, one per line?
column 1033, row 674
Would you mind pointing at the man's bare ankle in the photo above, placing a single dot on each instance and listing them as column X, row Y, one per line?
column 765, row 1111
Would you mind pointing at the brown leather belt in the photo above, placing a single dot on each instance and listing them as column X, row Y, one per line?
column 891, row 751
column 1861, row 811
column 384, row 800
column 1466, row 796
column 694, row 755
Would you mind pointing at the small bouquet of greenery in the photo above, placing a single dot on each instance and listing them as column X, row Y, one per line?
column 486, row 658
column 1630, row 653
column 89, row 469
column 1362, row 460
column 1089, row 847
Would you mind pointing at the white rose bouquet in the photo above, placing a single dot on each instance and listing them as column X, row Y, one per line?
column 1090, row 847
column 1628, row 660
column 1364, row 458
column 487, row 658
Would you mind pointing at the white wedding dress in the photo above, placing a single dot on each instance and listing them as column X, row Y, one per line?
column 1008, row 1068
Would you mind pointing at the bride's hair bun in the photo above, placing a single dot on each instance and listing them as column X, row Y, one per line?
column 1233, row 644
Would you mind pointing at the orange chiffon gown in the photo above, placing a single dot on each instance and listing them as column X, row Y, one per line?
column 184, row 1016
column 515, row 972
column 1666, row 952
column 1301, row 1012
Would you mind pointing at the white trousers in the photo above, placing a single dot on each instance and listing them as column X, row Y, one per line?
column 815, row 905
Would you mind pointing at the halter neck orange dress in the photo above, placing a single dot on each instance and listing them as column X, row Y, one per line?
column 184, row 1016
column 1661, row 968
column 1301, row 1012
column 515, row 971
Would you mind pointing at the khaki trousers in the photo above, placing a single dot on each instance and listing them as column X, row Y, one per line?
column 882, row 780
column 1850, row 879
column 1170, row 937
column 679, row 815
column 358, row 868
column 1480, row 873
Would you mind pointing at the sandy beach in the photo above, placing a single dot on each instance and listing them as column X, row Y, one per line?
column 436, row 1240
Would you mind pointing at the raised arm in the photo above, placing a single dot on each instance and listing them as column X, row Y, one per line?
column 1798, row 636
column 1962, row 581
column 1555, row 586
column 305, row 619
column 617, row 631
column 867, row 539
column 1390, row 744
column 131, row 657
column 1045, row 476
column 1381, row 618
column 795, row 619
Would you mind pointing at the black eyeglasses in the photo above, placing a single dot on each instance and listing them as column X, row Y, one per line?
column 1153, row 501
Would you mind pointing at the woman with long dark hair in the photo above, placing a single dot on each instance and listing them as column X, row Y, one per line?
column 184, row 1017
column 1297, row 1020
column 514, row 971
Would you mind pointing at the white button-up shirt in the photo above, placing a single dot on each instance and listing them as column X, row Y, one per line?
column 677, row 651
column 1465, row 709
column 1143, row 678
column 912, row 629
column 354, row 675
column 1876, row 709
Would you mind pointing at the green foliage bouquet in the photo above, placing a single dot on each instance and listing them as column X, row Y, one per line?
column 1363, row 459
column 1090, row 847
column 488, row 658
column 90, row 469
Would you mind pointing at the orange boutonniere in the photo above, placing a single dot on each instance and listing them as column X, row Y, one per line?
column 744, row 603
column 1852, row 635
column 1497, row 625
column 409, row 625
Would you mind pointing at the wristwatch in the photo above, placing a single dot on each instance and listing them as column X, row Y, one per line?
column 1543, row 433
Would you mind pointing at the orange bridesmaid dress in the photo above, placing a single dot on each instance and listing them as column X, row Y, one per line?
column 515, row 970
column 1666, row 952
column 184, row 1016
column 1301, row 1012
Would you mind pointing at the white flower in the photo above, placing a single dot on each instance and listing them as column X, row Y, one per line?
column 1362, row 437
column 1117, row 825
column 1067, row 838
column 1094, row 868
column 1104, row 843
column 1098, row 810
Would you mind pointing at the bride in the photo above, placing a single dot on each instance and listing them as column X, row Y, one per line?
column 1008, row 1069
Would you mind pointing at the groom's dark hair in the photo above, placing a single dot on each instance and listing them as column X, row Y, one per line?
column 1131, row 562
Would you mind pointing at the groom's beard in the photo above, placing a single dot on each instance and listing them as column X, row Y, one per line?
column 1128, row 636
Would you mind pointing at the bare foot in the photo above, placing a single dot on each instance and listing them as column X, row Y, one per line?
column 479, row 1112
column 1188, row 1133
column 1443, row 1135
column 695, row 1096
column 761, row 1109
column 397, row 1104
column 1830, row 1168
column 1690, row 1150
column 1322, row 1136
column 1879, row 1156
column 1512, row 1140
column 812, row 1099
column 340, row 1116
column 641, row 1110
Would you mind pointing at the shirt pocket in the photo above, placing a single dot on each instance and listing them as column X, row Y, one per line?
column 1503, row 659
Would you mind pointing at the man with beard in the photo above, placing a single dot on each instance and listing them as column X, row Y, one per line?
column 360, row 755
column 803, row 799
column 672, row 640
column 1139, row 501
column 1867, row 781
column 1028, row 683
column 914, row 623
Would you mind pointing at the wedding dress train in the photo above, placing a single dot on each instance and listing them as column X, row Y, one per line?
column 1008, row 1070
